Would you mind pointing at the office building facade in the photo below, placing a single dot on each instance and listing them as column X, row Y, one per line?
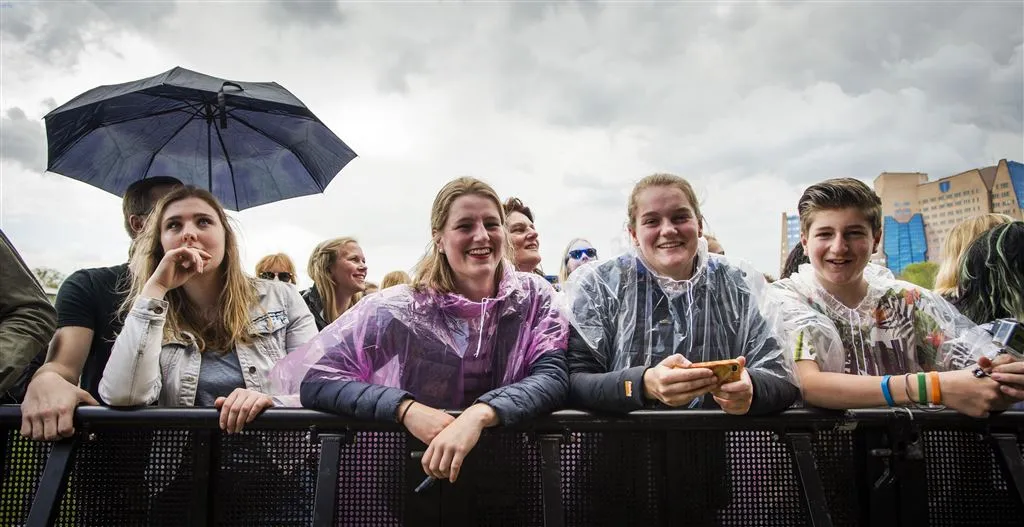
column 918, row 214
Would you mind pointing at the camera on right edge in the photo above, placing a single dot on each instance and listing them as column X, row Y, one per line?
column 1008, row 334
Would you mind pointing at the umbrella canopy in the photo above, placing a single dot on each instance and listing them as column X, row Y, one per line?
column 248, row 143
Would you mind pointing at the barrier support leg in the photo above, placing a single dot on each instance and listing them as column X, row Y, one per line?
column 325, row 503
column 551, row 479
column 1011, row 460
column 53, row 483
column 811, row 486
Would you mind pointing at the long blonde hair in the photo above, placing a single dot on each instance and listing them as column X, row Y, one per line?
column 319, row 268
column 395, row 278
column 236, row 298
column 563, row 273
column 957, row 242
column 433, row 270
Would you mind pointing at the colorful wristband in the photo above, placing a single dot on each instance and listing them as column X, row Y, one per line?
column 885, row 391
column 936, row 391
column 922, row 389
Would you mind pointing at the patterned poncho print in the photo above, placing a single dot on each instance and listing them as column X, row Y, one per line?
column 897, row 327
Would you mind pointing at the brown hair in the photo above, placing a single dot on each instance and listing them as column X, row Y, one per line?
column 395, row 278
column 516, row 205
column 433, row 270
column 956, row 244
column 273, row 260
column 136, row 200
column 662, row 180
column 234, row 302
column 840, row 193
column 324, row 256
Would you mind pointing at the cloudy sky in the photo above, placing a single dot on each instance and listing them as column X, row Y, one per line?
column 563, row 105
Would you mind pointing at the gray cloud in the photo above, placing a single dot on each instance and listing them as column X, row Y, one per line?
column 56, row 33
column 22, row 140
column 306, row 13
column 645, row 64
column 566, row 105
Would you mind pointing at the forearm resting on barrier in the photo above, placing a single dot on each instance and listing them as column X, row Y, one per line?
column 960, row 390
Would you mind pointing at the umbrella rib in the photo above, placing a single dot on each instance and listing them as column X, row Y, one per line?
column 195, row 113
column 284, row 146
column 227, row 157
column 157, row 151
column 105, row 124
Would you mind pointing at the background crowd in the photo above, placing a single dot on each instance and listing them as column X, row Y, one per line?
column 478, row 326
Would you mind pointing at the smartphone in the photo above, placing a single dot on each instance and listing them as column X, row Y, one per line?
column 729, row 370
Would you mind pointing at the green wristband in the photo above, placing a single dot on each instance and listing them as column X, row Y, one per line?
column 922, row 388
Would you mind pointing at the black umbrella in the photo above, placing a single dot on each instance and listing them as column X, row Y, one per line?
column 248, row 143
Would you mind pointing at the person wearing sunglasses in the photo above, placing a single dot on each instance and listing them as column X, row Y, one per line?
column 276, row 267
column 577, row 253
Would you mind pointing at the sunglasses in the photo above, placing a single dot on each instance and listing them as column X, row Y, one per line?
column 578, row 253
column 283, row 276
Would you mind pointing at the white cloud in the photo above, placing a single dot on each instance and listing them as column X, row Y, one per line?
column 562, row 105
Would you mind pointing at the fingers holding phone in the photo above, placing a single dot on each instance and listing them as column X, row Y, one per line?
column 735, row 396
column 675, row 383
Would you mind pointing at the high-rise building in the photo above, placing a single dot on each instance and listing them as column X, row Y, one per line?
column 790, row 237
column 918, row 214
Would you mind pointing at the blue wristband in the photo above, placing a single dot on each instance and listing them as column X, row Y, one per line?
column 885, row 391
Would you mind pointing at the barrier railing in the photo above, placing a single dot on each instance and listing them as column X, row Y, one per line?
column 172, row 466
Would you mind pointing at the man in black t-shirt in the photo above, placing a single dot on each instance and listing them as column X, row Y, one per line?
column 90, row 298
column 87, row 324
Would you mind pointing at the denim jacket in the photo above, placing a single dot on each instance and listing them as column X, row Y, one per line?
column 143, row 369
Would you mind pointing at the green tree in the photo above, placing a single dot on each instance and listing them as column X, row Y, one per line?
column 921, row 273
column 49, row 277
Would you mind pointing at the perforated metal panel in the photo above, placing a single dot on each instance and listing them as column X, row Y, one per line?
column 742, row 478
column 371, row 480
column 118, row 476
column 610, row 478
column 748, row 478
column 834, row 455
column 23, row 462
column 765, row 490
column 499, row 485
column 965, row 483
column 265, row 478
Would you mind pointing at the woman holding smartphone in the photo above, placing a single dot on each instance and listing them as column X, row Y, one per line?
column 639, row 324
column 642, row 319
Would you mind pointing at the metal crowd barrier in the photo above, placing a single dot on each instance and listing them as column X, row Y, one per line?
column 172, row 466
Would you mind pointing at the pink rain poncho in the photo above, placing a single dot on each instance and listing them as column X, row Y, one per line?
column 897, row 328
column 443, row 349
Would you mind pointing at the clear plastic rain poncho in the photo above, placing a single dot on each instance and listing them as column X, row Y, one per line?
column 443, row 348
column 631, row 316
column 897, row 328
